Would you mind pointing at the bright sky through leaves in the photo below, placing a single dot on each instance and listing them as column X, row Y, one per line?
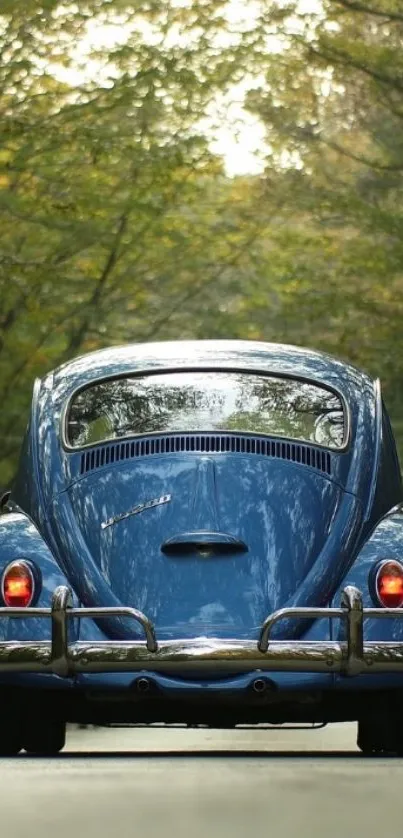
column 237, row 136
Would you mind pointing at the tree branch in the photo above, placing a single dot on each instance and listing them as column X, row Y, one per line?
column 78, row 334
column 359, row 158
column 356, row 6
column 346, row 60
column 195, row 290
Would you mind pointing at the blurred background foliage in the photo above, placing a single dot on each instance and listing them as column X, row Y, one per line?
column 119, row 223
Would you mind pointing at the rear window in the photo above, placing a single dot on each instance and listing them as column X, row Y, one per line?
column 205, row 401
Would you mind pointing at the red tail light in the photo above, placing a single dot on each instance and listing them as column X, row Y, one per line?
column 389, row 584
column 18, row 585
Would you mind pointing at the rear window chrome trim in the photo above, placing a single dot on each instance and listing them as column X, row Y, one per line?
column 208, row 369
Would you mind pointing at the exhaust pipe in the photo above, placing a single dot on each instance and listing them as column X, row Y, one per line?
column 259, row 685
column 143, row 685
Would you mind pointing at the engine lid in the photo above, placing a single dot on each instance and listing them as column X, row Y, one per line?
column 205, row 545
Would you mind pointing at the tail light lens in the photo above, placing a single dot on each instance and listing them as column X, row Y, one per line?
column 389, row 584
column 18, row 585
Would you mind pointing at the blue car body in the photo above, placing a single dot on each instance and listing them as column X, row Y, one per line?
column 207, row 533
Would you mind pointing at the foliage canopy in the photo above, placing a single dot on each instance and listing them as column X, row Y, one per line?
column 118, row 223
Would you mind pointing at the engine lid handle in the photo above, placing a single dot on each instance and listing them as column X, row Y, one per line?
column 212, row 543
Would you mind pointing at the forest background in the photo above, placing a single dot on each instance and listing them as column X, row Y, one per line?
column 121, row 219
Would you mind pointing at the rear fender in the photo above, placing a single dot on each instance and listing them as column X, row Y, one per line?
column 20, row 539
column 385, row 542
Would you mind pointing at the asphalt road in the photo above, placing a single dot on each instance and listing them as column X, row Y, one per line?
column 193, row 783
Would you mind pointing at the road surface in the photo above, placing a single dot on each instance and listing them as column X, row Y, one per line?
column 175, row 782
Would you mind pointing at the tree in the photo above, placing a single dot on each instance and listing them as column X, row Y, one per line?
column 332, row 102
column 111, row 200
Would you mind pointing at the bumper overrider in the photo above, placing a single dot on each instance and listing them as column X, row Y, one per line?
column 350, row 656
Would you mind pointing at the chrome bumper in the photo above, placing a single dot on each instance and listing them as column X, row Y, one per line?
column 351, row 656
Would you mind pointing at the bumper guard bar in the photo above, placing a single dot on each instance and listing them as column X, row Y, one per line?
column 350, row 656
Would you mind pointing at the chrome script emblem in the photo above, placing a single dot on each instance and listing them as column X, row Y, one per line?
column 149, row 504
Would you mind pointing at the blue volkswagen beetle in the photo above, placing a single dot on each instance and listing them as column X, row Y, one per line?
column 207, row 533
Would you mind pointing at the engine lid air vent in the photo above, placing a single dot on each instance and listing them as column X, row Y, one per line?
column 206, row 443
